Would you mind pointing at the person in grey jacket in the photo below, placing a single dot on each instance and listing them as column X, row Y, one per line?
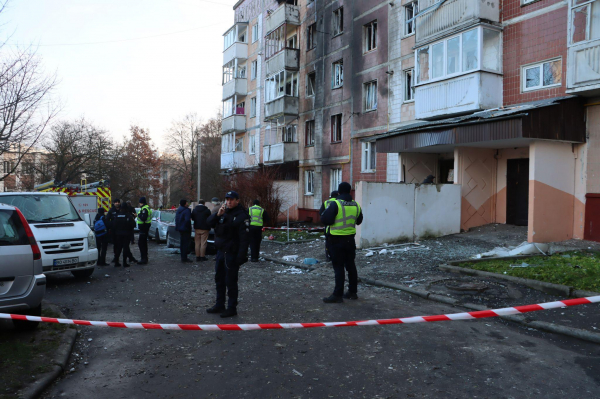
column 199, row 216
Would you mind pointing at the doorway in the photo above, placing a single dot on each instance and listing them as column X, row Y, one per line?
column 517, row 192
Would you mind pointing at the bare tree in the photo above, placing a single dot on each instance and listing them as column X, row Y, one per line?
column 182, row 141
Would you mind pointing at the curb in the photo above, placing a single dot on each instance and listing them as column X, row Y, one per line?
column 285, row 262
column 288, row 242
column 549, row 288
column 59, row 363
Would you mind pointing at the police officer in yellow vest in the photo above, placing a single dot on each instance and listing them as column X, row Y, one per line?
column 144, row 218
column 334, row 195
column 342, row 216
column 258, row 216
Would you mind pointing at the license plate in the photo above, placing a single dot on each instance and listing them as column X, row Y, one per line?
column 62, row 262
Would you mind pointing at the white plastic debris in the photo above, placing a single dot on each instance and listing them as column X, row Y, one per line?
column 290, row 258
column 383, row 252
column 523, row 249
column 370, row 253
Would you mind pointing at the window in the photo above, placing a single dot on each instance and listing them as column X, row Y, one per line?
column 242, row 72
column 336, row 128
column 338, row 21
column 370, row 96
column 253, row 69
column 338, row 74
column 309, row 133
column 311, row 37
column 335, row 180
column 289, row 134
column 311, row 80
column 479, row 48
column 370, row 36
column 585, row 21
column 275, row 41
column 252, row 143
column 240, row 109
column 6, row 167
column 227, row 143
column 236, row 34
column 239, row 144
column 283, row 83
column 409, row 94
column 410, row 10
column 542, row 75
column 368, row 157
column 292, row 42
column 228, row 108
column 309, row 182
column 253, row 107
column 255, row 33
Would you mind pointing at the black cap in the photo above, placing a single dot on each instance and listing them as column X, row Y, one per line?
column 334, row 194
column 256, row 202
column 214, row 199
column 232, row 194
column 183, row 202
column 116, row 200
column 344, row 188
column 142, row 200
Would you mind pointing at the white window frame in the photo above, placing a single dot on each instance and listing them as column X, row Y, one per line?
column 337, row 120
column 275, row 85
column 289, row 134
column 368, row 162
column 572, row 10
column 253, row 106
column 311, row 86
column 370, row 96
column 541, row 86
column 309, row 133
column 238, row 141
column 309, row 182
column 370, row 37
column 252, row 144
column 409, row 91
column 335, row 179
column 414, row 6
column 337, row 22
column 227, row 143
column 255, row 34
column 337, row 74
column 253, row 69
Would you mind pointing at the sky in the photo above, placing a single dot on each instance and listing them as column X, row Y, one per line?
column 124, row 62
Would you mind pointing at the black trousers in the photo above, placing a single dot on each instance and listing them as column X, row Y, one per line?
column 343, row 253
column 185, row 238
column 226, row 279
column 122, row 245
column 255, row 240
column 102, row 244
column 143, row 242
column 327, row 246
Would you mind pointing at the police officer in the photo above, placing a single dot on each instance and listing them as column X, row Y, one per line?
column 258, row 216
column 334, row 195
column 232, row 229
column 124, row 223
column 342, row 216
column 144, row 218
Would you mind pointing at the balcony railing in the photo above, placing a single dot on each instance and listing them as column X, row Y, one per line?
column 280, row 152
column 237, row 50
column 234, row 87
column 460, row 95
column 234, row 123
column 233, row 160
column 281, row 107
column 452, row 16
column 285, row 14
column 287, row 58
column 583, row 69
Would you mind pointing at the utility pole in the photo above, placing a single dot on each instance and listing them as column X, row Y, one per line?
column 198, row 145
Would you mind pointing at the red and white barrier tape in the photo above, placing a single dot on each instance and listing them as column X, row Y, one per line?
column 245, row 327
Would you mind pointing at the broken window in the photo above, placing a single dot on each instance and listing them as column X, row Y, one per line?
column 289, row 134
column 585, row 21
column 252, row 143
column 370, row 94
column 338, row 21
column 311, row 37
column 239, row 144
column 470, row 44
column 283, row 83
column 253, row 69
column 408, row 85
column 311, row 79
column 338, row 74
column 410, row 10
column 370, row 36
column 253, row 107
column 309, row 182
column 423, row 65
column 275, row 41
column 542, row 75
column 336, row 128
column 309, row 134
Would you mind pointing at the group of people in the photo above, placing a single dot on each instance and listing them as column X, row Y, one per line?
column 236, row 230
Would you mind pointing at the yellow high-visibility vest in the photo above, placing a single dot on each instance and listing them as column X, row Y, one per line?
column 256, row 216
column 345, row 220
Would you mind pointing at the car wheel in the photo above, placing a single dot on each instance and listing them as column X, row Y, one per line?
column 24, row 325
column 157, row 237
column 169, row 244
column 82, row 273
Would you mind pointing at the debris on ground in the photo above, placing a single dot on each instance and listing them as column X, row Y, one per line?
column 524, row 249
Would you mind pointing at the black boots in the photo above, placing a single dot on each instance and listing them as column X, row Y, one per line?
column 333, row 299
column 216, row 309
column 350, row 295
column 229, row 312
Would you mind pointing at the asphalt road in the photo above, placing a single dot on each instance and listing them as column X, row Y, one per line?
column 475, row 359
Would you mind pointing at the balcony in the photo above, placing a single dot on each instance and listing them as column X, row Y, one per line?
column 461, row 95
column 452, row 16
column 233, row 160
column 235, row 87
column 583, row 69
column 234, row 124
column 237, row 50
column 281, row 107
column 285, row 14
column 281, row 152
column 287, row 58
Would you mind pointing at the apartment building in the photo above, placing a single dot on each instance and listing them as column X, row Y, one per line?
column 498, row 97
column 22, row 175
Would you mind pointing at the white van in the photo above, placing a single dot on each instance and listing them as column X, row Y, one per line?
column 67, row 243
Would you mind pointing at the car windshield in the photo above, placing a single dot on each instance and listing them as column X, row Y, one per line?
column 168, row 217
column 43, row 208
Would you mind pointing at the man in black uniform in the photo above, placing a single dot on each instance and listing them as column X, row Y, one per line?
column 334, row 195
column 232, row 227
column 124, row 223
column 342, row 216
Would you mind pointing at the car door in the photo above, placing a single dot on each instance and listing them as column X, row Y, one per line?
column 16, row 256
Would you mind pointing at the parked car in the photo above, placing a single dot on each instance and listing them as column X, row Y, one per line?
column 161, row 220
column 66, row 241
column 173, row 240
column 22, row 283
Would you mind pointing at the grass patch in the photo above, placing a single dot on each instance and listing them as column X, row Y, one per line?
column 281, row 235
column 26, row 354
column 580, row 270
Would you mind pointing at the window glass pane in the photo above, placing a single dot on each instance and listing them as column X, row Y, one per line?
column 491, row 58
column 437, row 60
column 595, row 21
column 469, row 50
column 579, row 24
column 532, row 77
column 453, row 54
column 423, row 64
column 552, row 73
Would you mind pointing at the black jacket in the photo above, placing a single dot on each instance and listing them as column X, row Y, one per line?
column 123, row 223
column 109, row 218
column 183, row 219
column 328, row 216
column 200, row 215
column 232, row 232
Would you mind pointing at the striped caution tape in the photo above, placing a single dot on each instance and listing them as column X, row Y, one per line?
column 277, row 326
